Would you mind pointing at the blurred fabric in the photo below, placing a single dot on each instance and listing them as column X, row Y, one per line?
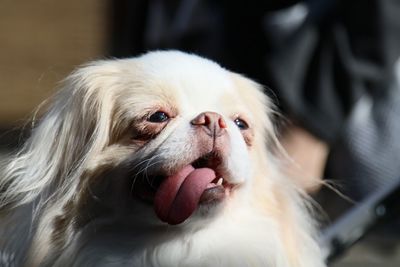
column 367, row 154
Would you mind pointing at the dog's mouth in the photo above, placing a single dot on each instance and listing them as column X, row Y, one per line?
column 175, row 197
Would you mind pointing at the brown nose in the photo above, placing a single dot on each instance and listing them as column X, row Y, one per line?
column 212, row 123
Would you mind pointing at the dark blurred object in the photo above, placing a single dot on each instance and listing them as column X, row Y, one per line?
column 379, row 208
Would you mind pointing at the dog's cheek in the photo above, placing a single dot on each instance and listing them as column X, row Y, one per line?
column 239, row 163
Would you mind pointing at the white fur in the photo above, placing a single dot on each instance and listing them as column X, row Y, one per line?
column 74, row 171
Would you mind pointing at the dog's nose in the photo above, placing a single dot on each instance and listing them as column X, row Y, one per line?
column 211, row 122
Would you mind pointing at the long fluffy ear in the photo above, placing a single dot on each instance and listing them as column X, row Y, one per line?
column 75, row 126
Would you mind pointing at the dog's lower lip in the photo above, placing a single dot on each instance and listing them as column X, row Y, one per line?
column 213, row 195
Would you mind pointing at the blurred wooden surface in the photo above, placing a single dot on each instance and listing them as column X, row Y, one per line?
column 40, row 43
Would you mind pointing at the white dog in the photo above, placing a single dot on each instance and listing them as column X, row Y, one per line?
column 160, row 160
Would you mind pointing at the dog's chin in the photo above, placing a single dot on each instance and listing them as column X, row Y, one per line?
column 187, row 192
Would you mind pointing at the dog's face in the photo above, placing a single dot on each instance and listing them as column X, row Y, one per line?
column 183, row 134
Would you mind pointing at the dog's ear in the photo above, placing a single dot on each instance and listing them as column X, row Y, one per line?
column 75, row 126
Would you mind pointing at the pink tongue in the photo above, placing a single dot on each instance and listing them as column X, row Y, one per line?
column 179, row 194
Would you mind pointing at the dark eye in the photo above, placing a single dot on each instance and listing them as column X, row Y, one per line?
column 241, row 124
column 158, row 117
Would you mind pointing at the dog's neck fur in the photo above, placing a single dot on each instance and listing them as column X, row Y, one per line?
column 227, row 241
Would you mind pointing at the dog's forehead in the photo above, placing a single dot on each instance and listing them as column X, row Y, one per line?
column 193, row 82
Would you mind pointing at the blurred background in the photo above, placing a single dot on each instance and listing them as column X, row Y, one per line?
column 330, row 66
column 41, row 42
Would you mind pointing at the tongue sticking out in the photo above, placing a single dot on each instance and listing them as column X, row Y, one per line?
column 179, row 194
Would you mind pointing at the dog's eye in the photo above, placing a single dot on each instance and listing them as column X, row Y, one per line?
column 241, row 124
column 158, row 117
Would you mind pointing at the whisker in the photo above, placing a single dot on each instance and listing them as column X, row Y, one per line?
column 145, row 162
column 146, row 173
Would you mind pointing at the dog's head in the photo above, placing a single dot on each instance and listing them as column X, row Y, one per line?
column 178, row 133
